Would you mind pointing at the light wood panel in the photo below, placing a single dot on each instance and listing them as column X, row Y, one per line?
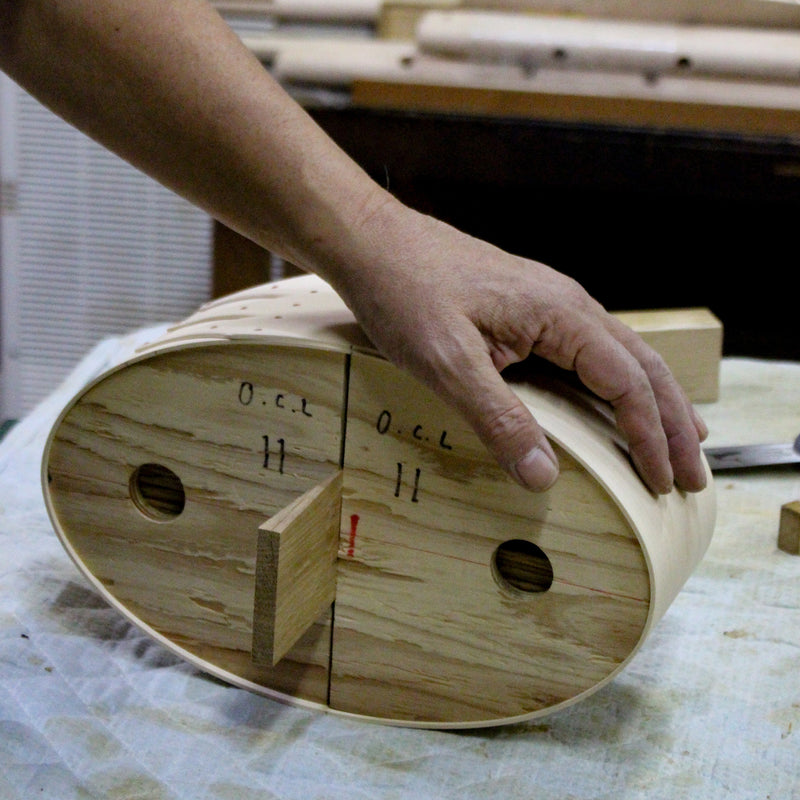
column 399, row 18
column 612, row 100
column 689, row 340
column 244, row 437
column 425, row 629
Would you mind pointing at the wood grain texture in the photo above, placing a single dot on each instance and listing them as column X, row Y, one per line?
column 424, row 630
column 204, row 415
column 295, row 570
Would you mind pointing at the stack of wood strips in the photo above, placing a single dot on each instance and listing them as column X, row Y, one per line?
column 393, row 14
column 720, row 65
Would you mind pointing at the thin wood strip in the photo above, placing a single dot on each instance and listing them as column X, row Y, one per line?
column 316, row 10
column 625, row 111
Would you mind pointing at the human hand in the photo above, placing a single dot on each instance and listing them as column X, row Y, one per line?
column 455, row 311
column 452, row 310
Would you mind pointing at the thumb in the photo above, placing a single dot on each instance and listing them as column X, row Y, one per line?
column 507, row 428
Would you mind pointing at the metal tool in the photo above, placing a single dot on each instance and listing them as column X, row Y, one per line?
column 753, row 455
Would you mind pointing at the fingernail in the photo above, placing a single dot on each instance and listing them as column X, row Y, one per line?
column 537, row 470
column 700, row 425
column 697, row 482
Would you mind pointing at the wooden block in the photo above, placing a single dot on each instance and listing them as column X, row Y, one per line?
column 398, row 19
column 789, row 532
column 689, row 340
column 295, row 570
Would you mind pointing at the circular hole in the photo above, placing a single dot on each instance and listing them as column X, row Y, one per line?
column 559, row 54
column 157, row 492
column 407, row 62
column 683, row 63
column 522, row 566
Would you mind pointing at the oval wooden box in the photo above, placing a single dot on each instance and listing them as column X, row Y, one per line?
column 263, row 494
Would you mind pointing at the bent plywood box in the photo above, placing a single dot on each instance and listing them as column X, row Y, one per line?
column 266, row 496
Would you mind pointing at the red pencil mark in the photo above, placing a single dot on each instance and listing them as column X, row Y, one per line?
column 351, row 545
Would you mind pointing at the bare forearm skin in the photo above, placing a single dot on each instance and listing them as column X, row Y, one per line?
column 170, row 88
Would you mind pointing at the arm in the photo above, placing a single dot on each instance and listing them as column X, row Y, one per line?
column 170, row 88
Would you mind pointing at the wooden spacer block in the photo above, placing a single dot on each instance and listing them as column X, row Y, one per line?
column 689, row 340
column 398, row 19
column 295, row 570
column 789, row 531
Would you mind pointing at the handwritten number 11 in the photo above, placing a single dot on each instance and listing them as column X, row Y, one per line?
column 398, row 484
column 281, row 453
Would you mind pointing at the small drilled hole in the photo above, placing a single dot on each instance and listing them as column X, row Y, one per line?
column 683, row 63
column 522, row 566
column 157, row 492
